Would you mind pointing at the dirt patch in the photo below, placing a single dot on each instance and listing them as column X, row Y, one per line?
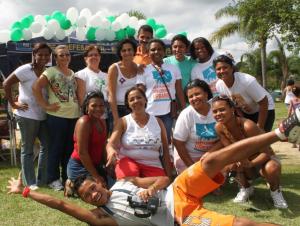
column 286, row 153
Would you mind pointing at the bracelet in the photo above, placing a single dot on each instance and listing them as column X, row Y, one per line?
column 26, row 192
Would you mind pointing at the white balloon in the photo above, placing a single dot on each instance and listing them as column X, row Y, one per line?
column 69, row 31
column 115, row 26
column 40, row 19
column 72, row 14
column 169, row 36
column 142, row 22
column 95, row 21
column 100, row 34
column 81, row 21
column 86, row 13
column 80, row 33
column 60, row 34
column 124, row 20
column 133, row 22
column 53, row 25
column 48, row 34
column 27, row 34
column 105, row 23
column 36, row 27
column 4, row 36
column 110, row 35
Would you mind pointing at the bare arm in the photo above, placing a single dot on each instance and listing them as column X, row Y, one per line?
column 114, row 142
column 183, row 152
column 82, row 214
column 263, row 112
column 112, row 91
column 165, row 147
column 179, row 93
column 11, row 80
column 81, row 90
column 37, row 87
column 82, row 133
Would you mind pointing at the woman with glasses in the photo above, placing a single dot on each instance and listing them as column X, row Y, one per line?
column 136, row 142
column 62, row 110
column 161, row 83
column 231, row 128
column 202, row 51
column 89, row 154
column 30, row 117
column 249, row 96
column 194, row 132
column 121, row 77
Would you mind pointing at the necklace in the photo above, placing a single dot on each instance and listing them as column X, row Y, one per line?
column 141, row 122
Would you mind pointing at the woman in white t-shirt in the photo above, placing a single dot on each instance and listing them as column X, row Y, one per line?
column 30, row 117
column 249, row 96
column 121, row 77
column 202, row 51
column 91, row 78
column 162, row 83
column 194, row 132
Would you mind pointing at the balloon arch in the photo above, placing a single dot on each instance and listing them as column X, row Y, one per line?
column 83, row 25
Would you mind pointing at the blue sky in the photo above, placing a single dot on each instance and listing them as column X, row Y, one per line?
column 193, row 16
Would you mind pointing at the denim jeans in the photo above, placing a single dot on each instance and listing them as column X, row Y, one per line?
column 31, row 129
column 75, row 168
column 60, row 147
column 168, row 123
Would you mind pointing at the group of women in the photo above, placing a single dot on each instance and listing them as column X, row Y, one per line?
column 139, row 115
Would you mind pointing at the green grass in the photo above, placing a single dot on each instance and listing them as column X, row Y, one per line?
column 18, row 211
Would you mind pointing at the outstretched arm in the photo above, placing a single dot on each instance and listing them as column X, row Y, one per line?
column 91, row 217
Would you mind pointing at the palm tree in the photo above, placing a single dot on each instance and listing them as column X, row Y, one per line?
column 251, row 23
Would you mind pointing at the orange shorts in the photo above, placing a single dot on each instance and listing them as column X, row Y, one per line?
column 189, row 189
column 127, row 167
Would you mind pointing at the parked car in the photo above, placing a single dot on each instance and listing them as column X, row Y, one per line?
column 276, row 95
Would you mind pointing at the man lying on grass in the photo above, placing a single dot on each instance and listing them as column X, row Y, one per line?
column 180, row 203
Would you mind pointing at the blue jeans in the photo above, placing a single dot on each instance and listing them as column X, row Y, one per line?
column 75, row 168
column 60, row 147
column 30, row 130
column 168, row 123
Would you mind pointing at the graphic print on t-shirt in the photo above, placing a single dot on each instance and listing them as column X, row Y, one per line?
column 240, row 102
column 144, row 141
column 207, row 136
column 210, row 76
column 63, row 87
column 160, row 92
column 99, row 83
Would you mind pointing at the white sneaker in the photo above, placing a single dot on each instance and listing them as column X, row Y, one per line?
column 279, row 201
column 243, row 195
column 33, row 187
column 56, row 185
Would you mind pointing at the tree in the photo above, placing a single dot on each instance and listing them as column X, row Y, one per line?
column 137, row 14
column 253, row 22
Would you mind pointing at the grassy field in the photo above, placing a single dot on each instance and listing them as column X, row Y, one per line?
column 15, row 210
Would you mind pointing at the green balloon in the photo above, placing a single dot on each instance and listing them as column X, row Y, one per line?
column 160, row 32
column 120, row 34
column 16, row 34
column 30, row 17
column 157, row 26
column 16, row 24
column 47, row 17
column 111, row 18
column 65, row 24
column 151, row 22
column 130, row 31
column 90, row 35
column 183, row 33
column 25, row 22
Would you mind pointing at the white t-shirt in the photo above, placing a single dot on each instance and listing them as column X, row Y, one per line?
column 246, row 92
column 27, row 77
column 93, row 81
column 123, row 84
column 205, row 71
column 197, row 131
column 156, row 92
column 142, row 143
column 124, row 214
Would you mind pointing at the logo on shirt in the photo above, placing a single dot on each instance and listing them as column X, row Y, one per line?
column 209, row 74
column 167, row 76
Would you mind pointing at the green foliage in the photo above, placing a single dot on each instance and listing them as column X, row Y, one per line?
column 138, row 14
